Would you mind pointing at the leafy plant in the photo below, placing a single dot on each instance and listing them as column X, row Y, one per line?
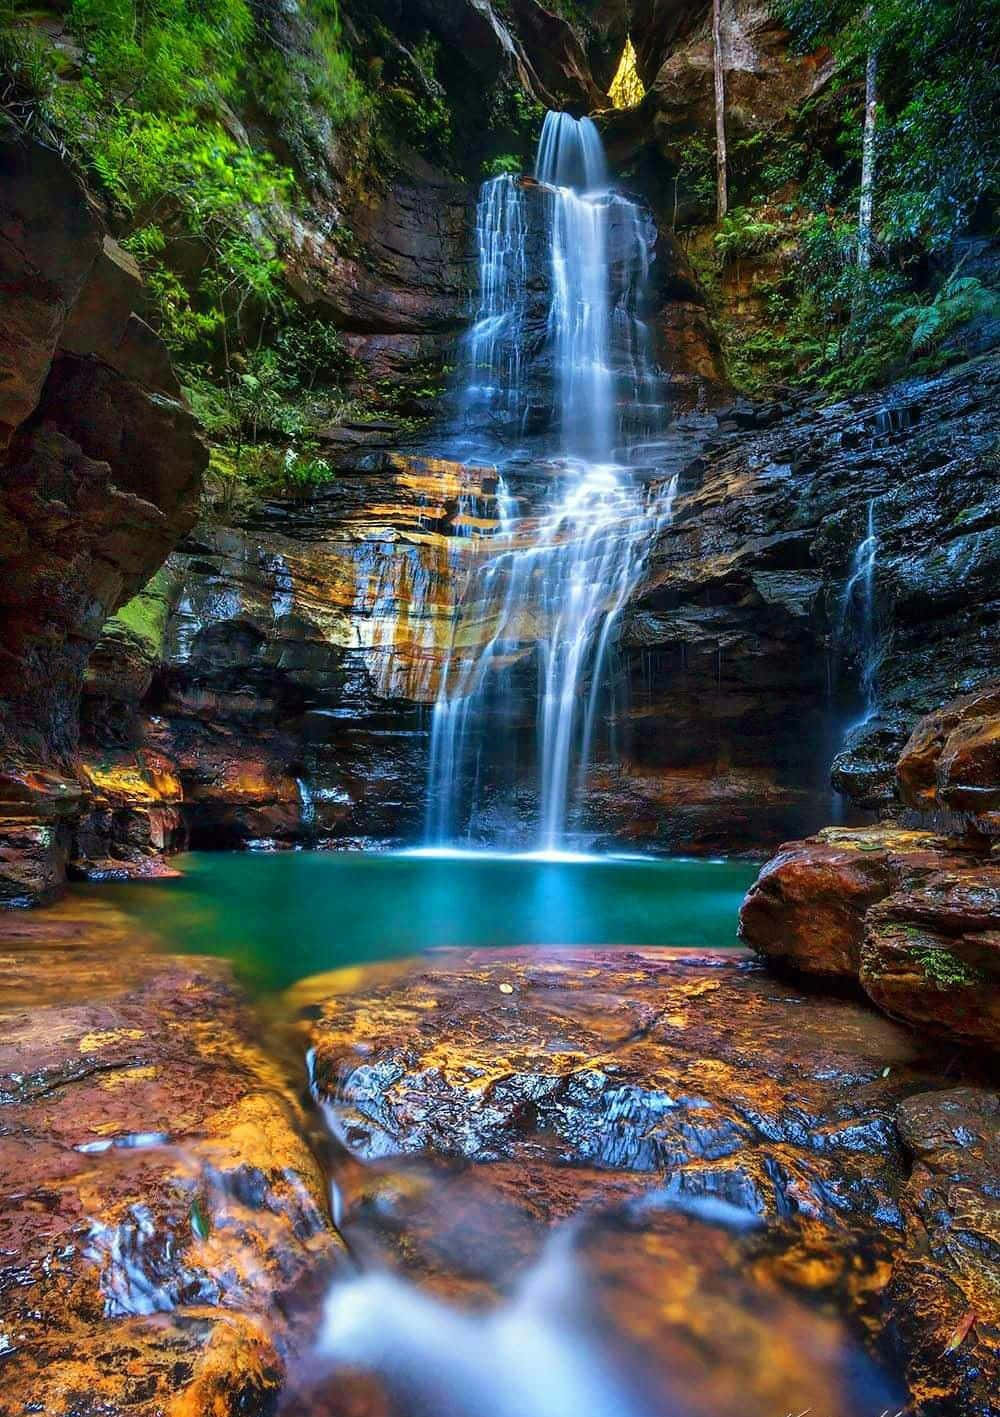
column 507, row 164
column 929, row 320
column 743, row 232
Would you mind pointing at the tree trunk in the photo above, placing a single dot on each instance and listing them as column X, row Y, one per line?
column 722, row 195
column 867, row 166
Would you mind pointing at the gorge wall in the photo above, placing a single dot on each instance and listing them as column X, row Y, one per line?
column 272, row 683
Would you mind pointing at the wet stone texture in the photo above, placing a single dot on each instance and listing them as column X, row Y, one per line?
column 777, row 1189
column 911, row 916
column 157, row 1196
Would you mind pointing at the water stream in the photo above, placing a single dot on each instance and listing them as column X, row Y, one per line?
column 551, row 580
column 858, row 603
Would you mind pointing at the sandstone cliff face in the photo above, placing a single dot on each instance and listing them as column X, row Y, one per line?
column 101, row 474
column 304, row 643
column 753, row 643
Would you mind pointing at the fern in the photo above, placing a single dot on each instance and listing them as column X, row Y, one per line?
column 959, row 300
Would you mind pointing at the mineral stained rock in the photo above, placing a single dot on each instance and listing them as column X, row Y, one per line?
column 743, row 1150
column 158, row 1196
column 101, row 472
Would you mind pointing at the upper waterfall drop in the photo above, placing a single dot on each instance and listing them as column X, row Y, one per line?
column 561, row 394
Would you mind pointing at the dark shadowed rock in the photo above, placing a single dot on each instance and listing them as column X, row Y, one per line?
column 101, row 475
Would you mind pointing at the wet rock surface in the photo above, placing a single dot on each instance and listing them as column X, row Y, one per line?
column 747, row 649
column 950, row 1269
column 305, row 641
column 914, row 918
column 772, row 1182
column 951, row 761
column 158, row 1195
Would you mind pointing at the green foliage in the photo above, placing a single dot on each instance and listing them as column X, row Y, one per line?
column 938, row 154
column 261, row 411
column 744, row 232
column 943, row 969
column 145, row 615
column 822, row 321
column 506, row 164
column 513, row 124
column 928, row 320
column 413, row 104
column 150, row 111
column 310, row 91
column 28, row 71
column 265, row 391
column 695, row 175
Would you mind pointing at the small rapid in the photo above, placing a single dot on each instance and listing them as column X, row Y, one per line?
column 532, row 1356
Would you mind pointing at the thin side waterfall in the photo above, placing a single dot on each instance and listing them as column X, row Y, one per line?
column 562, row 347
column 859, row 591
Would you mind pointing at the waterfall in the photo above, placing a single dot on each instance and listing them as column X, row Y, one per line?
column 859, row 589
column 559, row 386
column 307, row 804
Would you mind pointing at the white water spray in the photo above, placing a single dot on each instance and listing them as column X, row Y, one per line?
column 553, row 585
column 859, row 590
column 529, row 1357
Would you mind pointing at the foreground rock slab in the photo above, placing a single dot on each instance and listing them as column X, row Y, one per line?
column 745, row 1152
column 157, row 1195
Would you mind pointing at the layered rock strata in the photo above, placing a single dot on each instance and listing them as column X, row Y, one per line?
column 303, row 645
column 101, row 475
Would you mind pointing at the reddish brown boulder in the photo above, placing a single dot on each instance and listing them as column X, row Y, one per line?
column 808, row 907
column 952, row 760
column 931, row 955
column 912, row 917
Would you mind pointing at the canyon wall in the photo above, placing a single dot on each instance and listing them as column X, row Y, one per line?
column 101, row 471
column 272, row 683
column 304, row 644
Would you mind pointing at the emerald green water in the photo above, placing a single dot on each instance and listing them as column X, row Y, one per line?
column 283, row 916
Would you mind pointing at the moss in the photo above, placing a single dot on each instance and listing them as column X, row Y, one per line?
column 145, row 615
column 942, row 968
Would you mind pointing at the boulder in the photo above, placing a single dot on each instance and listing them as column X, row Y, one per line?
column 951, row 760
column 931, row 955
column 912, row 917
column 808, row 907
column 736, row 1154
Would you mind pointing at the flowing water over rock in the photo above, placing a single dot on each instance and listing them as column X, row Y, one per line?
column 529, row 1357
column 859, row 604
column 563, row 352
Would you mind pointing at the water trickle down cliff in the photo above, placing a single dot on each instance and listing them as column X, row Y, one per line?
column 562, row 353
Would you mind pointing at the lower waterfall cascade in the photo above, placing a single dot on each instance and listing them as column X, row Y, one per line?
column 557, row 575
